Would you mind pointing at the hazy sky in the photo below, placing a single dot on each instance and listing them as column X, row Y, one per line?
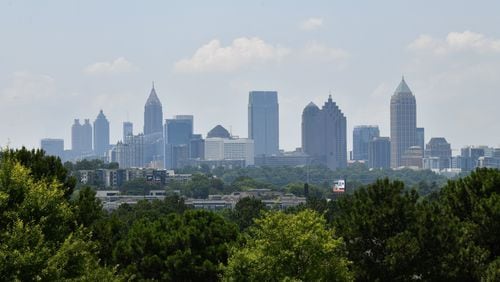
column 61, row 60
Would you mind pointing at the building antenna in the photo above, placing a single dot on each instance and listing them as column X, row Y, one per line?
column 231, row 131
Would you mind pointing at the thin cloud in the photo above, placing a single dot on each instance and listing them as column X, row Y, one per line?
column 119, row 65
column 26, row 87
column 456, row 42
column 311, row 24
column 320, row 51
column 243, row 51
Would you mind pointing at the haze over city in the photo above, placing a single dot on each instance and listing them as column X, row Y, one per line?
column 62, row 60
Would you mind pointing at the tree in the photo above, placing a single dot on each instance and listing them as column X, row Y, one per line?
column 87, row 207
column 377, row 224
column 38, row 240
column 42, row 167
column 187, row 247
column 246, row 211
column 285, row 247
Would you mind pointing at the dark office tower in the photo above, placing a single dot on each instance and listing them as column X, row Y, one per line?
column 324, row 134
column 178, row 133
column 87, row 136
column 128, row 129
column 196, row 147
column 379, row 152
column 420, row 133
column 101, row 135
column 361, row 137
column 403, row 123
column 263, row 122
column 76, row 137
column 153, row 114
column 439, row 148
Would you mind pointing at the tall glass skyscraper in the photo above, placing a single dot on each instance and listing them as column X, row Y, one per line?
column 101, row 134
column 361, row 137
column 153, row 114
column 263, row 122
column 178, row 133
column 324, row 135
column 403, row 123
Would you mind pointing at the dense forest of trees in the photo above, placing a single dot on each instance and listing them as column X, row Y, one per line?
column 383, row 231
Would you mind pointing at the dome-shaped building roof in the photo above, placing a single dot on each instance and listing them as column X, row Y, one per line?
column 311, row 108
column 218, row 131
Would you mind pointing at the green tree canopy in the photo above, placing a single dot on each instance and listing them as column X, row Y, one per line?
column 286, row 247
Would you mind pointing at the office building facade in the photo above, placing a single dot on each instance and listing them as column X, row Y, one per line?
column 379, row 153
column 361, row 137
column 324, row 136
column 101, row 135
column 263, row 121
column 403, row 123
column 53, row 147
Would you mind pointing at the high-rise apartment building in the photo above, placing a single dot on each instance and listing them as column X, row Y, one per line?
column 324, row 134
column 101, row 135
column 379, row 152
column 361, row 137
column 263, row 121
column 403, row 123
column 153, row 114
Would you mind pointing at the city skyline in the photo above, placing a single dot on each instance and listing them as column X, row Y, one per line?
column 69, row 67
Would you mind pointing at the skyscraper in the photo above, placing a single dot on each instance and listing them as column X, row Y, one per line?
column 379, row 153
column 128, row 129
column 153, row 114
column 178, row 133
column 81, row 137
column 101, row 134
column 76, row 137
column 403, row 122
column 87, row 136
column 324, row 134
column 263, row 121
column 361, row 137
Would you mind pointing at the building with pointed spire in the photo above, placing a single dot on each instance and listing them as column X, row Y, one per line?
column 403, row 123
column 153, row 114
column 101, row 135
column 324, row 134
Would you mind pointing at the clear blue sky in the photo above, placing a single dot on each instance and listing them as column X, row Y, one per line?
column 61, row 60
